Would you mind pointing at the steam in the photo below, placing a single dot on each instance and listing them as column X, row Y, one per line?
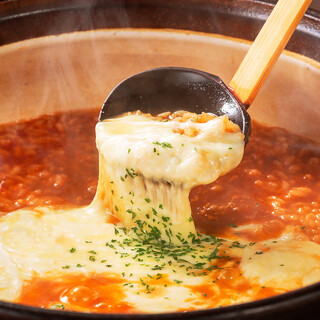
column 78, row 70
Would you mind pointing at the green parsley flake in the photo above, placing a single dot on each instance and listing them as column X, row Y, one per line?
column 163, row 144
column 58, row 306
column 178, row 281
column 131, row 173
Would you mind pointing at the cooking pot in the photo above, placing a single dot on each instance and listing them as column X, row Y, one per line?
column 176, row 32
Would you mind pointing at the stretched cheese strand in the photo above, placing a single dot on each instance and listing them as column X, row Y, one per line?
column 147, row 170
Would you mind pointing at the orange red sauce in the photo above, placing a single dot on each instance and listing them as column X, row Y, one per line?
column 105, row 293
column 97, row 293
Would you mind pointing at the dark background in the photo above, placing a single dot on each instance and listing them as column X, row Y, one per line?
column 315, row 3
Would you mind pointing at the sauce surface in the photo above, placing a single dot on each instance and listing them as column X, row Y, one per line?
column 98, row 293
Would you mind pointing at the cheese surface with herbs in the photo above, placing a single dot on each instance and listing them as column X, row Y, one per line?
column 135, row 249
column 147, row 169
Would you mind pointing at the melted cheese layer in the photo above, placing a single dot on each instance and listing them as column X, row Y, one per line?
column 51, row 245
column 152, row 260
column 154, row 149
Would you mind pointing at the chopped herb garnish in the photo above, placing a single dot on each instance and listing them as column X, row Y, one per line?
column 237, row 244
column 178, row 281
column 58, row 306
column 131, row 173
column 132, row 213
column 163, row 144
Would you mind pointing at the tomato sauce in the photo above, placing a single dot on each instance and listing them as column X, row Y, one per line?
column 97, row 293
column 226, row 285
column 48, row 161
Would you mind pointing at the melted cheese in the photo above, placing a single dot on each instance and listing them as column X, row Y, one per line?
column 284, row 264
column 146, row 172
column 147, row 169
column 40, row 245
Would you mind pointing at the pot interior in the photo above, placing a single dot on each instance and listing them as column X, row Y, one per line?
column 78, row 70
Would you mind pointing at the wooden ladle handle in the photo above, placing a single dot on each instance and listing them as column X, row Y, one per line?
column 266, row 48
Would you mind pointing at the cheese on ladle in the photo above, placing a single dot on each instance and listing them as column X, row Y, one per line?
column 148, row 167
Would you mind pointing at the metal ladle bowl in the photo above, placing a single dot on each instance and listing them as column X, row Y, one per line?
column 159, row 90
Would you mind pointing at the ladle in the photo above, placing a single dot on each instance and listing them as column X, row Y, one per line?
column 172, row 88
